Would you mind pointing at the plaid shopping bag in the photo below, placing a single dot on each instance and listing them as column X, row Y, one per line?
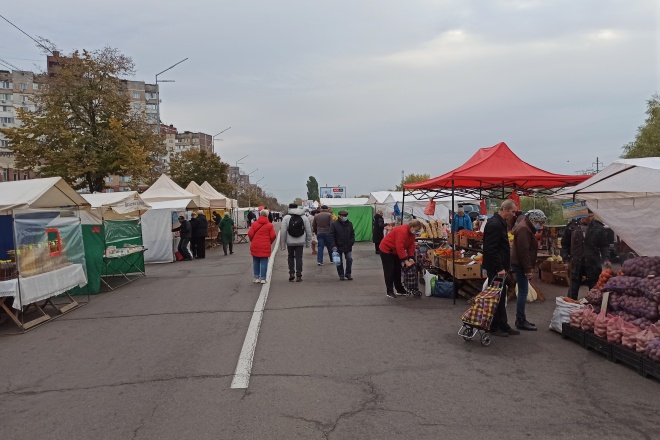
column 481, row 313
column 409, row 278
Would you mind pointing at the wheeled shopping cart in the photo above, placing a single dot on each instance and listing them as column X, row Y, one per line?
column 477, row 319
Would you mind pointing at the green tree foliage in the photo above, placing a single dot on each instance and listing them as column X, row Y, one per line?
column 312, row 189
column 84, row 128
column 413, row 178
column 552, row 210
column 647, row 140
column 200, row 165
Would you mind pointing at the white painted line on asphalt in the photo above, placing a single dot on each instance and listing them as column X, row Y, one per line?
column 244, row 367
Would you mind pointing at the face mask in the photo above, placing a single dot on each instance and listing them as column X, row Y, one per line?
column 416, row 233
column 538, row 227
column 343, row 218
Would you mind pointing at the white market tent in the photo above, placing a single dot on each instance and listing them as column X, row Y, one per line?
column 360, row 201
column 385, row 200
column 626, row 196
column 164, row 189
column 218, row 200
column 157, row 229
column 214, row 201
column 117, row 205
column 51, row 192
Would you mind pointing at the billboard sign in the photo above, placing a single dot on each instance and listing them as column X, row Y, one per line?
column 333, row 192
column 573, row 210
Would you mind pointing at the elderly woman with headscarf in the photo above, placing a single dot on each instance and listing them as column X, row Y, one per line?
column 397, row 248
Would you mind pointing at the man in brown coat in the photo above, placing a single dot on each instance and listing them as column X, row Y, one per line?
column 523, row 260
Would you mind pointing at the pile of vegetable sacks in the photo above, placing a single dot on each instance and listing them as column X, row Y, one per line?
column 632, row 318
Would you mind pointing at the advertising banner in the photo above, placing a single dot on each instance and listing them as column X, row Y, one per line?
column 577, row 209
column 333, row 192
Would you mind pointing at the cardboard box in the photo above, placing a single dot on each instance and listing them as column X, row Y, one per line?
column 547, row 276
column 463, row 241
column 450, row 241
column 466, row 271
column 556, row 266
column 444, row 263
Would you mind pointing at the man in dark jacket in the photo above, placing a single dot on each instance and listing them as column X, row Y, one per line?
column 321, row 226
column 342, row 239
column 185, row 231
column 497, row 261
column 586, row 246
column 377, row 229
column 200, row 229
column 251, row 216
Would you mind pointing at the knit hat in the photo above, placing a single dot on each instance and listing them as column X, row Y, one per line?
column 536, row 215
column 343, row 213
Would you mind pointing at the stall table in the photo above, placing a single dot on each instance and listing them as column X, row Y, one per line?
column 125, row 268
column 241, row 237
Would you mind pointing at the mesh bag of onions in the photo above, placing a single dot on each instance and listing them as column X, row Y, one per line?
column 641, row 267
column 624, row 284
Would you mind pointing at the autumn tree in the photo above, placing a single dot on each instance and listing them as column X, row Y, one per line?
column 647, row 140
column 312, row 188
column 84, row 127
column 200, row 165
column 413, row 178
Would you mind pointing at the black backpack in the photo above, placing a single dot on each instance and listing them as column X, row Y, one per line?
column 296, row 226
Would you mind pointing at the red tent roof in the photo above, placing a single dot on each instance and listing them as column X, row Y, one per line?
column 498, row 167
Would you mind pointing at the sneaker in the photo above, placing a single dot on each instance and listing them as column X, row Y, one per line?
column 319, row 264
column 341, row 278
column 391, row 295
column 349, row 278
column 256, row 280
column 263, row 281
column 291, row 277
column 298, row 279
column 525, row 325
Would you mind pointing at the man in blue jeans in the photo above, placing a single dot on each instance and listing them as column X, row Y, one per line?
column 321, row 226
column 523, row 260
column 342, row 239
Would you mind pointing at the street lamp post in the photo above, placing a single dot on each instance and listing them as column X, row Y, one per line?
column 158, row 90
column 218, row 134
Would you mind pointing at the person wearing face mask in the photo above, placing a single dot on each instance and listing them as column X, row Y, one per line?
column 398, row 247
column 586, row 247
column 342, row 239
column 523, row 259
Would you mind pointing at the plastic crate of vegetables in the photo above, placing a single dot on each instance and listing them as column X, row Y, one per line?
column 597, row 344
column 628, row 357
column 573, row 333
column 650, row 368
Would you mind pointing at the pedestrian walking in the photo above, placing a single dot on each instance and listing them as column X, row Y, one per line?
column 315, row 240
column 321, row 226
column 251, row 217
column 296, row 235
column 227, row 231
column 200, row 229
column 587, row 249
column 261, row 235
column 342, row 239
column 185, row 231
column 523, row 259
column 378, row 229
column 397, row 248
column 497, row 261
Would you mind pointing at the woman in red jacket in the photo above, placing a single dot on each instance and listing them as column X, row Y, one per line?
column 398, row 247
column 262, row 235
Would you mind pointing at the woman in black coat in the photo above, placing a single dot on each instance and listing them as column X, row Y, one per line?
column 377, row 228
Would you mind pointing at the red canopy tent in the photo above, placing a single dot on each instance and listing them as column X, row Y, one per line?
column 495, row 169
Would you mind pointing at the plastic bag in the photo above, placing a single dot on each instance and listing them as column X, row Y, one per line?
column 562, row 313
column 600, row 325
column 576, row 317
column 336, row 259
column 588, row 319
column 429, row 209
column 629, row 336
column 646, row 336
column 614, row 332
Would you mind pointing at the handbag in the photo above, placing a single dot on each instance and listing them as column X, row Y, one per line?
column 442, row 288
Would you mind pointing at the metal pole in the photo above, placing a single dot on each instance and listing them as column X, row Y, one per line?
column 453, row 245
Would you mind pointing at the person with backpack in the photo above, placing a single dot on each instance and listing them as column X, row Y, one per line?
column 342, row 239
column 296, row 235
column 261, row 235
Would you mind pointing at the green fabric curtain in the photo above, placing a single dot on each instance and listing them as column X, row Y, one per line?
column 361, row 217
column 94, row 248
column 118, row 233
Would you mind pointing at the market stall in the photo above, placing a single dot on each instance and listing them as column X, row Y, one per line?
column 491, row 172
column 218, row 203
column 42, row 250
column 414, row 207
column 359, row 213
column 112, row 232
column 157, row 224
column 165, row 189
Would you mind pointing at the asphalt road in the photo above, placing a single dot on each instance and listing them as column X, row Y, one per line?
column 334, row 359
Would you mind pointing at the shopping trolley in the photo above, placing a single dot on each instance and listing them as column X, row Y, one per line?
column 477, row 319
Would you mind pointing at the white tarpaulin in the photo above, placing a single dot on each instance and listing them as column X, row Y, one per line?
column 157, row 229
column 165, row 189
column 360, row 201
column 121, row 203
column 228, row 203
column 51, row 192
column 216, row 200
column 385, row 201
column 626, row 196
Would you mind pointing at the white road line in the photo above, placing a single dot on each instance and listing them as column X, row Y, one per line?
column 244, row 367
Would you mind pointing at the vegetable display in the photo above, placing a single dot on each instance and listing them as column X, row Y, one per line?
column 603, row 277
column 641, row 267
column 653, row 350
column 623, row 284
column 640, row 307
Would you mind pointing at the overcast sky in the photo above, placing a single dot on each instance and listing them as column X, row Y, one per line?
column 355, row 91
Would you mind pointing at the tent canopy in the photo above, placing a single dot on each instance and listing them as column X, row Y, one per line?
column 331, row 203
column 626, row 196
column 165, row 189
column 51, row 192
column 218, row 200
column 121, row 203
column 624, row 178
column 496, row 168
